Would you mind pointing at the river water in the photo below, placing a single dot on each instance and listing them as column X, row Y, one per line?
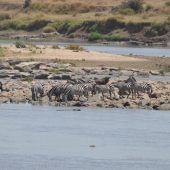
column 144, row 51
column 54, row 138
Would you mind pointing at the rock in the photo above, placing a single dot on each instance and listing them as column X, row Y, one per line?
column 114, row 69
column 155, row 73
column 23, row 69
column 4, row 74
column 14, row 62
column 144, row 103
column 5, row 65
column 126, row 104
column 164, row 107
column 54, row 77
column 28, row 66
column 66, row 77
column 156, row 95
column 21, row 75
column 143, row 74
column 155, row 107
column 65, row 70
column 79, row 104
column 41, row 75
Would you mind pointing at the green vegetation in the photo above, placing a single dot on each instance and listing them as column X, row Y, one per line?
column 4, row 16
column 28, row 79
column 20, row 44
column 55, row 47
column 75, row 47
column 135, row 5
column 2, row 51
column 94, row 36
column 138, row 19
column 27, row 3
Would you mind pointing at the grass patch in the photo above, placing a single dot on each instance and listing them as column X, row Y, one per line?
column 2, row 51
column 54, row 70
column 55, row 47
column 75, row 47
column 117, row 35
column 28, row 79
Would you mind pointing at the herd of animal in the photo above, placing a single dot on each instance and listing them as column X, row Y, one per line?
column 74, row 89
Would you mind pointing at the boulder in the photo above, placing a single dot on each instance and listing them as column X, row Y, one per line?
column 164, row 107
column 5, row 65
column 41, row 75
column 66, row 77
column 54, row 77
column 21, row 75
column 155, row 73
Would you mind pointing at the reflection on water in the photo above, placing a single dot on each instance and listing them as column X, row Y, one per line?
column 43, row 137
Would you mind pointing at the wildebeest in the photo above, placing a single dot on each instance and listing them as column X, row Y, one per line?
column 37, row 91
column 102, row 81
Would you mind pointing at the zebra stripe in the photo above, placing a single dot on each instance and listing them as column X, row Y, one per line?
column 108, row 88
column 37, row 91
column 144, row 88
column 58, row 90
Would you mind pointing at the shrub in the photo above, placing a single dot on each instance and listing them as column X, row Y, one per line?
column 20, row 44
column 48, row 29
column 75, row 47
column 127, row 11
column 26, row 3
column 94, row 36
column 4, row 16
column 150, row 33
column 55, row 47
column 135, row 5
column 148, row 8
column 2, row 52
column 167, row 3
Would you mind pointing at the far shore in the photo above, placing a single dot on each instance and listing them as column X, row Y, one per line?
column 84, row 58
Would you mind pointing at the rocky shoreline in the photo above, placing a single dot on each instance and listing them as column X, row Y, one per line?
column 17, row 78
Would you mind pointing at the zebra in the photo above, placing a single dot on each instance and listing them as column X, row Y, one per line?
column 79, row 89
column 1, row 86
column 107, row 88
column 58, row 90
column 37, row 91
column 126, row 87
column 144, row 88
column 75, row 90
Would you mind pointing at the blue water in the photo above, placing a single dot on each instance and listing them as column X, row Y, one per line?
column 144, row 51
column 43, row 137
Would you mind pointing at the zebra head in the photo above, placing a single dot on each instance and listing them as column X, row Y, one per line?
column 131, row 79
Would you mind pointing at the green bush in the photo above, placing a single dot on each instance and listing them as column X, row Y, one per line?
column 150, row 33
column 2, row 52
column 75, row 47
column 135, row 5
column 127, row 11
column 49, row 29
column 167, row 3
column 27, row 3
column 94, row 36
column 4, row 16
column 20, row 44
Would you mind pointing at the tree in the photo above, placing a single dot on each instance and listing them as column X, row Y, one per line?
column 26, row 3
column 135, row 5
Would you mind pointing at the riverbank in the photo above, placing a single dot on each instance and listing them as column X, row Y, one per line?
column 22, row 67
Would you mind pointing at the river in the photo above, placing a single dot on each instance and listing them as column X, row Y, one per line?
column 144, row 51
column 54, row 138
